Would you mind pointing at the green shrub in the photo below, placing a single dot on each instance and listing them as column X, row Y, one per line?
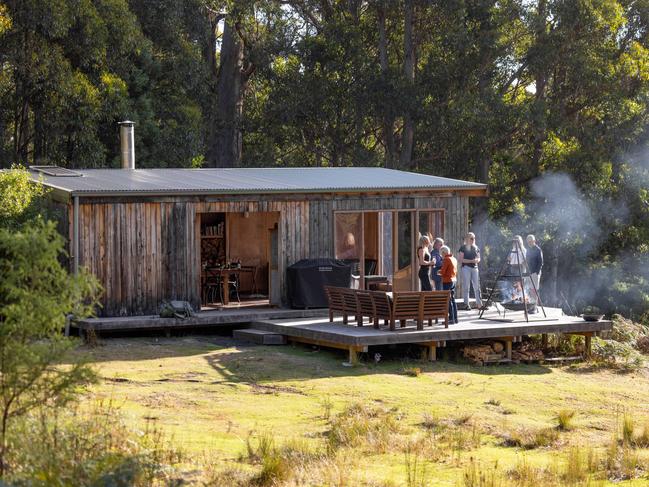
column 617, row 354
column 87, row 448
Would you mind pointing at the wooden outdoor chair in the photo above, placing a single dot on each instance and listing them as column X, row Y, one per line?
column 407, row 306
column 350, row 305
column 336, row 302
column 382, row 307
column 435, row 306
column 365, row 307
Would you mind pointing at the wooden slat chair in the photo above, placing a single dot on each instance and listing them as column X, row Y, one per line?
column 435, row 306
column 407, row 306
column 382, row 307
column 350, row 305
column 336, row 302
column 365, row 306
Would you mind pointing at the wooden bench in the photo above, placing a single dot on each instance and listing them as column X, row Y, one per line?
column 365, row 307
column 377, row 305
column 350, row 305
column 382, row 307
column 436, row 306
column 336, row 302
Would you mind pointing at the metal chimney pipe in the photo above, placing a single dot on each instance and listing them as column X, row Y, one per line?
column 127, row 143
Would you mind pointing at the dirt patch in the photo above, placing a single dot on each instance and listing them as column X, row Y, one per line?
column 267, row 389
column 166, row 400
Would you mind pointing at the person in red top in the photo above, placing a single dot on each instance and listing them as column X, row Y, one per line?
column 449, row 273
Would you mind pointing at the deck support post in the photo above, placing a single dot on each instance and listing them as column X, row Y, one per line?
column 353, row 356
column 508, row 349
column 588, row 342
column 429, row 351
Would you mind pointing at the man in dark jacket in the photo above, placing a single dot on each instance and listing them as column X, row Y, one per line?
column 534, row 261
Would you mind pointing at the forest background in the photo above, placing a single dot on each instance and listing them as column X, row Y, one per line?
column 547, row 101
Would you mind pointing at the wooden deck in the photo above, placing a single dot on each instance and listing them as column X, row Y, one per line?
column 356, row 339
column 224, row 316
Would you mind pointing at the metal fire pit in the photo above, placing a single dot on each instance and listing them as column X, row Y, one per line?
column 512, row 306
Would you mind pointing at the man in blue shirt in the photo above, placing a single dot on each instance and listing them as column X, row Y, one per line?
column 437, row 258
column 534, row 261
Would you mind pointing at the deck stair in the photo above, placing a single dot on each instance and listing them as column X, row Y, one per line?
column 260, row 337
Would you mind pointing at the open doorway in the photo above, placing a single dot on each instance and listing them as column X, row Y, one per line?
column 235, row 258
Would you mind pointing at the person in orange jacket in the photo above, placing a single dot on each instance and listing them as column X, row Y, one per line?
column 449, row 273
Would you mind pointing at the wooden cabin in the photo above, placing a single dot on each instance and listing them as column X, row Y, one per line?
column 149, row 234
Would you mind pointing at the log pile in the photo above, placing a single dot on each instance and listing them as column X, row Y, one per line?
column 482, row 354
column 527, row 353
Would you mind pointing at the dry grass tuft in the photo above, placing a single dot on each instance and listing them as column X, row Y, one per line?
column 531, row 439
column 564, row 419
column 412, row 371
column 364, row 426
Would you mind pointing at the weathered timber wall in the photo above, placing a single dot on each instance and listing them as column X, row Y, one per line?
column 147, row 251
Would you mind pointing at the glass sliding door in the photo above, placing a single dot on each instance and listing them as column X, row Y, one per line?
column 348, row 243
column 430, row 222
column 404, row 251
column 386, row 240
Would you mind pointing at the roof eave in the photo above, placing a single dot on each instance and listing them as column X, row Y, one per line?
column 478, row 190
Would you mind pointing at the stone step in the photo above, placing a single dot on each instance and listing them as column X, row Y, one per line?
column 260, row 337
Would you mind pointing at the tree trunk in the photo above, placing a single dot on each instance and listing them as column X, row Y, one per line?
column 540, row 81
column 407, row 136
column 225, row 144
column 40, row 137
column 388, row 116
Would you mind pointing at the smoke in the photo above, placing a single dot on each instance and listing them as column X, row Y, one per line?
column 578, row 232
column 559, row 204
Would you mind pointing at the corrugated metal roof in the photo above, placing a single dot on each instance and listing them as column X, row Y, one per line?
column 103, row 182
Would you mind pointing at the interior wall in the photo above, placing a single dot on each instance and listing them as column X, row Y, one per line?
column 248, row 241
column 371, row 227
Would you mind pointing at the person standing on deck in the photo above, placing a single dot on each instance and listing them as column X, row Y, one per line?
column 447, row 274
column 534, row 262
column 469, row 258
column 423, row 257
column 437, row 259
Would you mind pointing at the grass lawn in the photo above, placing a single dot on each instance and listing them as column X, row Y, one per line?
column 212, row 396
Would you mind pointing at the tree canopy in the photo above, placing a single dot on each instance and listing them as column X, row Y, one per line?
column 503, row 92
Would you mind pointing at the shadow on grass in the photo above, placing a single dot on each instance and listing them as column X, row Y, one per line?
column 242, row 362
column 295, row 362
column 585, row 368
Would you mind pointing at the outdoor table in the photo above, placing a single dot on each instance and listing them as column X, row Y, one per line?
column 375, row 279
column 225, row 274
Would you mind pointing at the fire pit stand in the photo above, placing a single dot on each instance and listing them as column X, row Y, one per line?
column 524, row 306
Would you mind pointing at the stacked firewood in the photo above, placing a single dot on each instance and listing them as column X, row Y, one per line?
column 527, row 353
column 484, row 353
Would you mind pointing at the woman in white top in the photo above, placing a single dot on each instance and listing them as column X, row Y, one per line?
column 516, row 258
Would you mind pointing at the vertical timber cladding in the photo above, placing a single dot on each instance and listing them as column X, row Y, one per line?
column 142, row 253
column 146, row 252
